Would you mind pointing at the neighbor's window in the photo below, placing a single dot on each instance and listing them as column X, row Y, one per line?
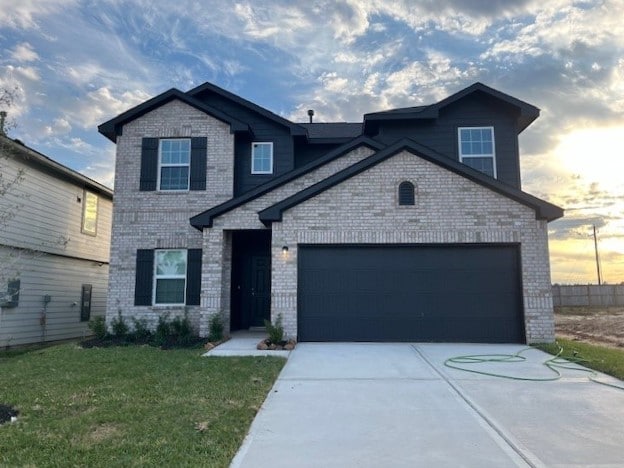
column 476, row 149
column 261, row 158
column 89, row 213
column 169, row 276
column 174, row 164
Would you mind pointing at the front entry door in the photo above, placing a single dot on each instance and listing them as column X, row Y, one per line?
column 260, row 300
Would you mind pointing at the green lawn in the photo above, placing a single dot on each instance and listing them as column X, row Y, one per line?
column 600, row 358
column 129, row 406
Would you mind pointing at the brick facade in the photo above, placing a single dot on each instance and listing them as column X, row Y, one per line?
column 364, row 209
column 153, row 220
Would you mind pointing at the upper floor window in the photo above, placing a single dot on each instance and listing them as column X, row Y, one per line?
column 170, row 276
column 476, row 149
column 406, row 193
column 89, row 213
column 174, row 164
column 262, row 158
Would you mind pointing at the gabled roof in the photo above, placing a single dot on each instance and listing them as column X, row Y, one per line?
column 543, row 209
column 206, row 218
column 19, row 149
column 294, row 128
column 114, row 127
column 527, row 112
column 332, row 132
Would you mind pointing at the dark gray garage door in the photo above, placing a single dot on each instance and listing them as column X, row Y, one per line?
column 410, row 293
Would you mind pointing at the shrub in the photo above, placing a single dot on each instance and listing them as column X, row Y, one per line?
column 181, row 330
column 119, row 326
column 215, row 329
column 98, row 326
column 141, row 332
column 163, row 330
column 275, row 331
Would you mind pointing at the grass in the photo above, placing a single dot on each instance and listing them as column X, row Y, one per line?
column 129, row 406
column 600, row 358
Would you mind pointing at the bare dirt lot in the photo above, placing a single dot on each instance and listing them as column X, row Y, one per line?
column 596, row 325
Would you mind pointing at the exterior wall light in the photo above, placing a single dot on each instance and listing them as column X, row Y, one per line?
column 285, row 249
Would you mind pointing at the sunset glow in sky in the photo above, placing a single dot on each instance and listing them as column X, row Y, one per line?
column 75, row 64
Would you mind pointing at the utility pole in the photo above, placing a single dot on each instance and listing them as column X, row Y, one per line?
column 597, row 257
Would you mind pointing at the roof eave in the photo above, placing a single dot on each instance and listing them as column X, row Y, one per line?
column 543, row 209
column 114, row 127
column 295, row 129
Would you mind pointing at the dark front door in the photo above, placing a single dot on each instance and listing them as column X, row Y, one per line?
column 260, row 290
column 251, row 278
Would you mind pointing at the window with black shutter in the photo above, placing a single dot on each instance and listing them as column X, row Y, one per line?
column 170, row 164
column 167, row 280
column 406, row 193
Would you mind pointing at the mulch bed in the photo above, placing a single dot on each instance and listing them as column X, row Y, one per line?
column 169, row 343
column 6, row 413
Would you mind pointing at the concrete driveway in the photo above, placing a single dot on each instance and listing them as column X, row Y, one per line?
column 393, row 405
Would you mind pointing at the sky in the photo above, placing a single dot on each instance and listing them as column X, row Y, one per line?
column 72, row 65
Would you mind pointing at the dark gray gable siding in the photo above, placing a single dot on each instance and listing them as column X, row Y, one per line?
column 474, row 110
column 149, row 164
column 263, row 129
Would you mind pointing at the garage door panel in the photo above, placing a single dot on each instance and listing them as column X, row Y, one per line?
column 409, row 293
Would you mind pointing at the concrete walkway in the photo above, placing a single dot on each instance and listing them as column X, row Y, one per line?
column 397, row 405
column 243, row 343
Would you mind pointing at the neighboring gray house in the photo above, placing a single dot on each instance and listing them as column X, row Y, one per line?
column 408, row 226
column 55, row 227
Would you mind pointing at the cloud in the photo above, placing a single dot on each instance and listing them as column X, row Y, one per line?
column 103, row 104
column 60, row 126
column 24, row 52
column 23, row 14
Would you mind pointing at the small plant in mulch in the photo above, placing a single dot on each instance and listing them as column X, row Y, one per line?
column 7, row 413
column 215, row 333
column 276, row 341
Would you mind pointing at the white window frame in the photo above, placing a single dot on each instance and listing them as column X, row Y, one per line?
column 85, row 213
column 156, row 277
column 253, row 170
column 468, row 156
column 160, row 165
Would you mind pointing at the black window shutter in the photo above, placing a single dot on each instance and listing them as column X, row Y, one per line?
column 144, row 277
column 193, row 276
column 199, row 146
column 406, row 193
column 149, row 164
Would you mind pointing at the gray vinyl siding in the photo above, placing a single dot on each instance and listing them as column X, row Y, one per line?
column 48, row 210
column 61, row 278
column 471, row 111
column 263, row 130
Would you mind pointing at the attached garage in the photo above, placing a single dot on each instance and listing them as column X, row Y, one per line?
column 448, row 292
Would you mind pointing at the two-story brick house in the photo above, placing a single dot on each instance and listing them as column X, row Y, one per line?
column 410, row 225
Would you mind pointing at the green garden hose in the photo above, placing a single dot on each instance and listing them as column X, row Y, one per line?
column 554, row 364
